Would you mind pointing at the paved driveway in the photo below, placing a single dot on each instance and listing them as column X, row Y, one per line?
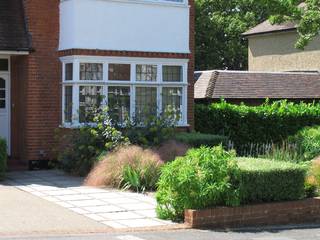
column 108, row 207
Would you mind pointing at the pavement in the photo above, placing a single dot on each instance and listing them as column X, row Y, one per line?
column 65, row 196
column 295, row 233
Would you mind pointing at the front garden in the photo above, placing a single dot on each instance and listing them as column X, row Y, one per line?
column 200, row 170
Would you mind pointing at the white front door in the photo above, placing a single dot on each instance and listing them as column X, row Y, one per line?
column 5, row 108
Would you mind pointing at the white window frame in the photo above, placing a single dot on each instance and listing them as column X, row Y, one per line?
column 159, row 84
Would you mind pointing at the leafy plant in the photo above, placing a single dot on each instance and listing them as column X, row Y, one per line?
column 152, row 131
column 308, row 142
column 3, row 158
column 196, row 139
column 203, row 178
column 79, row 149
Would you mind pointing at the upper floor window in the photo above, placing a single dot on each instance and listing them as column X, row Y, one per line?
column 4, row 64
column 91, row 71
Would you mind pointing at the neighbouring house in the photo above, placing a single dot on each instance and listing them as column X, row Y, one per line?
column 253, row 88
column 271, row 49
column 60, row 57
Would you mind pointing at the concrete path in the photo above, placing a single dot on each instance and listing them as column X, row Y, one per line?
column 22, row 213
column 108, row 207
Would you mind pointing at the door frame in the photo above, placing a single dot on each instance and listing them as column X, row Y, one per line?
column 6, row 75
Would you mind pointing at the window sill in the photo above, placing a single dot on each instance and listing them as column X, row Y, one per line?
column 79, row 125
column 154, row 2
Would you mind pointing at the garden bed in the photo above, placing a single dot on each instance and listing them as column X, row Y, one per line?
column 290, row 212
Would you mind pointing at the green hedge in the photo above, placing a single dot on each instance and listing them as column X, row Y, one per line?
column 270, row 122
column 263, row 180
column 3, row 158
column 200, row 139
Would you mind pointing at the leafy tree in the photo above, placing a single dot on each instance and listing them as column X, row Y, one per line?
column 219, row 24
column 305, row 13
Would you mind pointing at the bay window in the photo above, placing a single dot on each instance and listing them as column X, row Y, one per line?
column 134, row 88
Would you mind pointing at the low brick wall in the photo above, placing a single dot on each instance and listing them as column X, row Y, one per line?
column 293, row 212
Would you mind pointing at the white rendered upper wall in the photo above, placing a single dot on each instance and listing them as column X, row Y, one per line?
column 132, row 25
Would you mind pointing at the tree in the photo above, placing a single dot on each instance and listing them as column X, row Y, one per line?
column 219, row 25
column 305, row 13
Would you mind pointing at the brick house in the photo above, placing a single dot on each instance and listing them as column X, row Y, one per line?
column 59, row 56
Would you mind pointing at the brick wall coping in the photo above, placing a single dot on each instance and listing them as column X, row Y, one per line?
column 278, row 213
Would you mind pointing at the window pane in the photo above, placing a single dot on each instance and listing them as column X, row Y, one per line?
column 119, row 72
column 146, row 103
column 119, row 103
column 172, row 73
column 90, row 98
column 146, row 73
column 172, row 101
column 68, row 104
column 4, row 65
column 2, row 83
column 91, row 71
column 2, row 93
column 69, row 71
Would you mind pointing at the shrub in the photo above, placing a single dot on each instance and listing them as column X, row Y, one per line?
column 270, row 122
column 308, row 142
column 79, row 149
column 203, row 178
column 153, row 131
column 263, row 180
column 3, row 158
column 129, row 167
column 200, row 139
column 170, row 150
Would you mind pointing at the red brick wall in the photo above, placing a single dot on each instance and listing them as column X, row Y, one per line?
column 42, row 79
column 293, row 212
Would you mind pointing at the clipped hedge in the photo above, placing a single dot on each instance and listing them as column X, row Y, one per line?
column 263, row 180
column 196, row 139
column 270, row 122
column 3, row 158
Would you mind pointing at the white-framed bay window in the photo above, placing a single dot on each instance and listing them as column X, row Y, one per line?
column 131, row 87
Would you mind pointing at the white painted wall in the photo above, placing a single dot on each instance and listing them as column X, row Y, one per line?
column 132, row 25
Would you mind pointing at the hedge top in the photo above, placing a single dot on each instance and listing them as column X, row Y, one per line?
column 266, row 165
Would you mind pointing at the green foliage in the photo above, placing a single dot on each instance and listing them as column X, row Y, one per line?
column 307, row 142
column 263, row 180
column 219, row 25
column 284, row 152
column 3, row 158
column 141, row 176
column 307, row 17
column 153, row 131
column 80, row 148
column 203, row 178
column 196, row 139
column 270, row 122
